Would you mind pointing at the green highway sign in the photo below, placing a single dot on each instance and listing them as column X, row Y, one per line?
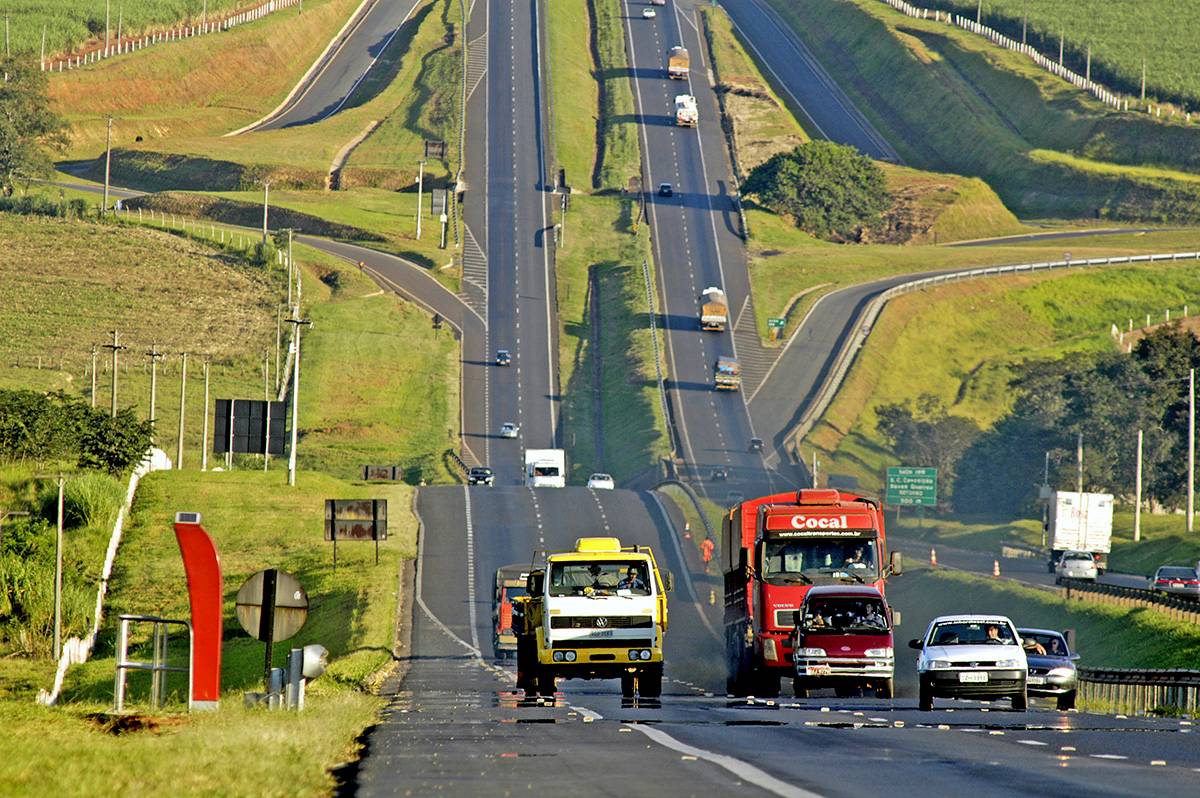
column 912, row 486
column 780, row 323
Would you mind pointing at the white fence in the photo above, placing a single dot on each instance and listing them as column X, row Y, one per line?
column 129, row 44
column 855, row 342
column 1101, row 93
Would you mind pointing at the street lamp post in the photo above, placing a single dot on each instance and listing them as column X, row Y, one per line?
column 295, row 399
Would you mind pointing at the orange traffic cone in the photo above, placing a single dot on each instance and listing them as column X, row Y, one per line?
column 995, row 567
column 933, row 557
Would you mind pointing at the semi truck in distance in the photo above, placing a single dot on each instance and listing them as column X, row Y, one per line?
column 545, row 468
column 686, row 114
column 598, row 611
column 727, row 375
column 1080, row 522
column 678, row 63
column 778, row 547
column 510, row 583
column 714, row 309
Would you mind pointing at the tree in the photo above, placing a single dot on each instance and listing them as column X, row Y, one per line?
column 829, row 189
column 114, row 443
column 928, row 436
column 29, row 129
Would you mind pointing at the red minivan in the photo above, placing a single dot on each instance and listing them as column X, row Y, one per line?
column 843, row 639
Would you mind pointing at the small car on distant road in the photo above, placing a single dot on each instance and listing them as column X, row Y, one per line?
column 1075, row 565
column 756, row 445
column 971, row 656
column 480, row 475
column 1051, row 666
column 601, row 482
column 666, row 190
column 503, row 358
column 1176, row 580
column 509, row 430
column 648, row 13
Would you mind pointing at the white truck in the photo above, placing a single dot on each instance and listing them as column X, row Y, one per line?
column 1080, row 522
column 686, row 114
column 545, row 468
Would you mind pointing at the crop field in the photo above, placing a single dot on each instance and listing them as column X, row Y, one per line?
column 1121, row 35
column 70, row 23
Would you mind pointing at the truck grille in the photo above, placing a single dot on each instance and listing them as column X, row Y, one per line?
column 583, row 642
column 602, row 622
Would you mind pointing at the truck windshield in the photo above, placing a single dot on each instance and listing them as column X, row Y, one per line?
column 803, row 561
column 599, row 579
column 854, row 615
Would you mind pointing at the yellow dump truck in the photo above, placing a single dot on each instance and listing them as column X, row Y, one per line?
column 678, row 63
column 714, row 309
column 598, row 611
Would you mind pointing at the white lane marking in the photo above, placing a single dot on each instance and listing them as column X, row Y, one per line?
column 470, row 568
column 600, row 507
column 687, row 577
column 588, row 714
column 743, row 770
column 1032, row 742
column 346, row 98
column 1108, row 756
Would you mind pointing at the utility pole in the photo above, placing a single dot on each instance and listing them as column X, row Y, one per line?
column 1191, row 494
column 107, row 8
column 115, row 347
column 979, row 12
column 154, row 355
column 1079, row 459
column 43, row 46
column 295, row 399
column 420, row 191
column 1143, row 80
column 1062, row 38
column 1024, row 21
column 120, row 19
column 58, row 547
column 289, row 232
column 182, row 409
column 278, row 344
column 1137, row 507
column 107, row 161
column 204, row 428
column 266, row 201
column 94, row 350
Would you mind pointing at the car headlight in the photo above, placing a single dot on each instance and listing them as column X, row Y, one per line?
column 1008, row 663
column 812, row 652
column 939, row 664
column 557, row 656
column 1061, row 672
column 769, row 649
column 570, row 656
column 879, row 652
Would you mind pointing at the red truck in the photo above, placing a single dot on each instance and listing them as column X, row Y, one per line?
column 776, row 548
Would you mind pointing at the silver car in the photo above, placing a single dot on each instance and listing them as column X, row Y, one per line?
column 1075, row 565
column 1176, row 580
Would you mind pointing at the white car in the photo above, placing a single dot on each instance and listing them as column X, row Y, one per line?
column 648, row 13
column 1075, row 565
column 509, row 430
column 601, row 482
column 971, row 656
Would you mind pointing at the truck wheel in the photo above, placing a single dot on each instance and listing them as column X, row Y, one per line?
column 886, row 689
column 545, row 685
column 925, row 699
column 649, row 683
column 1066, row 701
column 766, row 684
column 799, row 688
column 627, row 685
column 1020, row 701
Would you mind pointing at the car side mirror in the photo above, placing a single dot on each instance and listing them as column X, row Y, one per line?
column 1074, row 658
column 897, row 564
column 917, row 644
column 895, row 617
column 669, row 581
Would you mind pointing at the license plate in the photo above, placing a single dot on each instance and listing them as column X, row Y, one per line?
column 1177, row 584
column 603, row 633
column 1036, row 680
column 972, row 678
column 817, row 670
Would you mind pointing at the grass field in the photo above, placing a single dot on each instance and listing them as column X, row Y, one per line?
column 256, row 522
column 71, row 23
column 983, row 329
column 949, row 101
column 574, row 90
column 619, row 154
column 1121, row 35
column 607, row 259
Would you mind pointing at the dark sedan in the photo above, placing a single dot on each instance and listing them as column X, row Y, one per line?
column 1051, row 666
column 1176, row 580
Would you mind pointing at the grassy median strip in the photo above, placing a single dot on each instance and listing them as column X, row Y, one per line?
column 619, row 156
column 574, row 89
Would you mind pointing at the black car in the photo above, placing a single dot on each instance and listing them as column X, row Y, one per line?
column 666, row 190
column 756, row 444
column 719, row 474
column 503, row 358
column 1051, row 666
column 480, row 475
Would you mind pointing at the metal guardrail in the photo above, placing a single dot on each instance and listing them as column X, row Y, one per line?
column 1141, row 691
column 1179, row 609
column 855, row 341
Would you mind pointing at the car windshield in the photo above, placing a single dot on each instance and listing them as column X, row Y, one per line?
column 545, row 471
column 845, row 614
column 1051, row 645
column 971, row 633
column 1176, row 572
column 599, row 578
column 804, row 560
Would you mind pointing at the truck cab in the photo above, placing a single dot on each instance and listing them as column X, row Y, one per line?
column 843, row 639
column 598, row 611
column 510, row 583
column 727, row 374
column 545, row 468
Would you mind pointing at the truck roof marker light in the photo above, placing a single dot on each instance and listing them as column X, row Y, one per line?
column 597, row 544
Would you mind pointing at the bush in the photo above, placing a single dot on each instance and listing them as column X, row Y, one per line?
column 44, row 427
column 89, row 500
column 829, row 189
column 115, row 443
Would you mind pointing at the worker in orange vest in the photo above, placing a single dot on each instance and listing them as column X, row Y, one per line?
column 706, row 552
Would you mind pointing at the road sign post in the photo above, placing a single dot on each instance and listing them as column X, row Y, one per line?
column 776, row 327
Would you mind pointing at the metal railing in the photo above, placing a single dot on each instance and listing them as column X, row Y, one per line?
column 157, row 666
column 1180, row 609
column 1140, row 691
